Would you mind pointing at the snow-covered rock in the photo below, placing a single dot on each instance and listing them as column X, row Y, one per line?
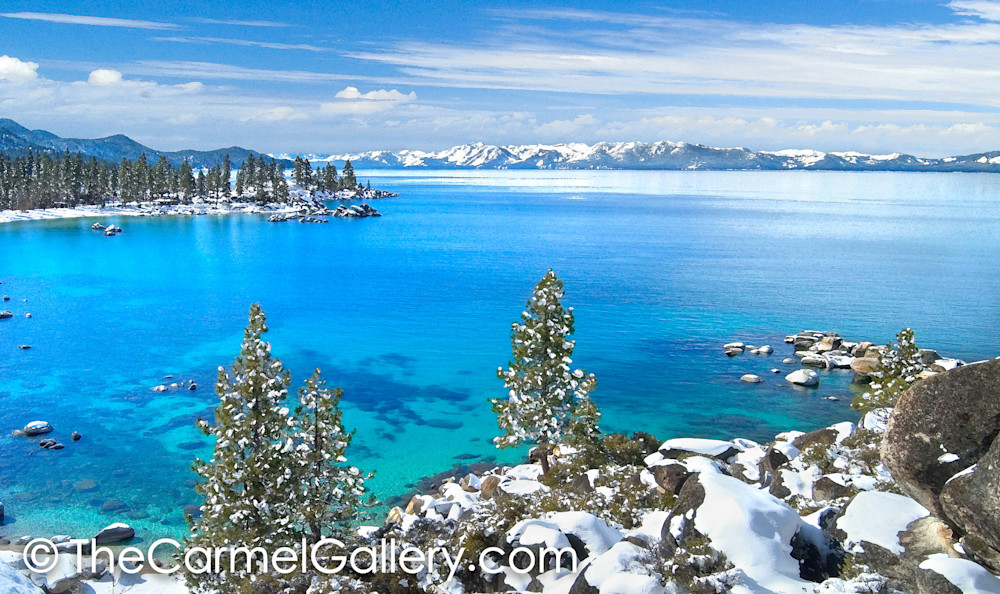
column 707, row 447
column 754, row 530
column 878, row 517
column 803, row 377
column 967, row 576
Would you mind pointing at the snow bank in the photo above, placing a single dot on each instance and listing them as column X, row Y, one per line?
column 967, row 576
column 753, row 529
column 878, row 517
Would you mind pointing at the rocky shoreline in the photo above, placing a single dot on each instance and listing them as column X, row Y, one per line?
column 902, row 501
column 303, row 205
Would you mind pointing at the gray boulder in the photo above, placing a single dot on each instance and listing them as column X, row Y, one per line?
column 971, row 502
column 114, row 533
column 37, row 428
column 942, row 426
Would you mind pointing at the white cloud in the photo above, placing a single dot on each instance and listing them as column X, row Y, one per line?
column 75, row 19
column 104, row 77
column 352, row 93
column 648, row 55
column 565, row 128
column 244, row 43
column 279, row 113
column 240, row 23
column 351, row 101
column 17, row 71
column 983, row 9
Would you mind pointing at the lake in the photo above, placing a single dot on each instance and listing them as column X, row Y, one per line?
column 410, row 313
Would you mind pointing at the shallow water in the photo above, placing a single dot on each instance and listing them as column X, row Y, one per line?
column 411, row 312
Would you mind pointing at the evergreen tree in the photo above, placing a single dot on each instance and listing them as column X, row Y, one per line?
column 247, row 485
column 186, row 183
column 225, row 173
column 330, row 493
column 347, row 179
column 896, row 371
column 546, row 401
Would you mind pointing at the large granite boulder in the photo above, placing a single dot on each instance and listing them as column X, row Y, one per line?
column 971, row 501
column 942, row 426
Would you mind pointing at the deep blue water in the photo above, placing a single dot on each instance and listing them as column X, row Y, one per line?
column 411, row 313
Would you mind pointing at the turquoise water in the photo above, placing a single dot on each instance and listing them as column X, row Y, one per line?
column 411, row 312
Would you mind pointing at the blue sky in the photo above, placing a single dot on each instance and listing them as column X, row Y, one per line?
column 916, row 76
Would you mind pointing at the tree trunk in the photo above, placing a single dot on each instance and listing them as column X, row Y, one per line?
column 544, row 453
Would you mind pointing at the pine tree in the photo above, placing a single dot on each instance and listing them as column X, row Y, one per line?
column 896, row 371
column 546, row 401
column 330, row 493
column 225, row 173
column 186, row 183
column 247, row 486
column 347, row 179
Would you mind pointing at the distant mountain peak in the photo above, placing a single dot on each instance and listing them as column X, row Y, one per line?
column 660, row 155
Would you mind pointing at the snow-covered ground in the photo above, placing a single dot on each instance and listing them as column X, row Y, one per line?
column 145, row 210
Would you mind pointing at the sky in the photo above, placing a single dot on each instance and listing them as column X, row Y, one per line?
column 878, row 76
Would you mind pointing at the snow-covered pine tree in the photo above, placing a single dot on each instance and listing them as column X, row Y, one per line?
column 895, row 372
column 246, row 484
column 545, row 398
column 329, row 490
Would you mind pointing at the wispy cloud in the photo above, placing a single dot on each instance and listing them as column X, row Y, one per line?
column 219, row 71
column 75, row 19
column 240, row 23
column 245, row 43
column 620, row 54
column 984, row 9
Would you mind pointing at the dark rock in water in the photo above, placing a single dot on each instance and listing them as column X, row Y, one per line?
column 444, row 424
column 114, row 533
column 465, row 457
column 191, row 445
column 942, row 426
column 192, row 510
column 50, row 444
column 1, row 512
column 37, row 428
column 113, row 506
column 137, row 515
column 85, row 486
column 193, row 386
column 76, row 436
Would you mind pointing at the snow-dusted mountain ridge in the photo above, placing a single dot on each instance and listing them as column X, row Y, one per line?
column 653, row 155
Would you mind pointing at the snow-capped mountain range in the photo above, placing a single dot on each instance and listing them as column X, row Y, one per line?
column 652, row 155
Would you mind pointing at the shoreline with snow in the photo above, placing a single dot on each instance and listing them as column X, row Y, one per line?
column 144, row 210
column 809, row 512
